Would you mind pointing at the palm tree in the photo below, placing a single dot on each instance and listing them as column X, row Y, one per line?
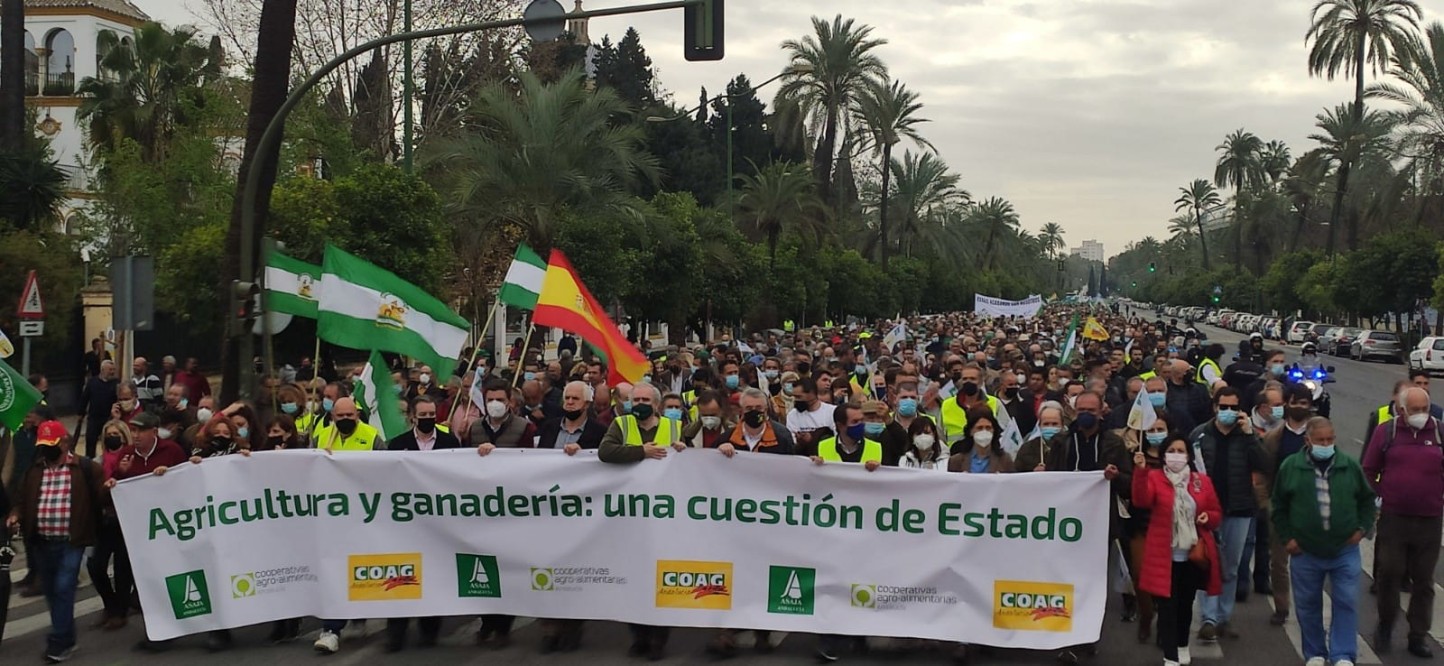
column 148, row 90
column 1051, row 237
column 1345, row 139
column 1302, row 186
column 1350, row 36
column 833, row 69
column 523, row 156
column 1420, row 92
column 1239, row 167
column 1200, row 195
column 32, row 187
column 998, row 218
column 780, row 197
column 1274, row 160
column 1181, row 226
column 888, row 111
column 923, row 185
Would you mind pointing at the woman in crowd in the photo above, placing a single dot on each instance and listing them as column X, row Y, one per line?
column 217, row 438
column 1135, row 528
column 282, row 434
column 980, row 450
column 1180, row 554
column 926, row 451
column 109, row 545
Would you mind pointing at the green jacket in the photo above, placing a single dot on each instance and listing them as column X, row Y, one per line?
column 1296, row 505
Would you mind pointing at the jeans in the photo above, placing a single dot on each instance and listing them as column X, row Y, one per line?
column 1343, row 571
column 1245, row 558
column 59, row 571
column 110, row 544
column 1231, row 537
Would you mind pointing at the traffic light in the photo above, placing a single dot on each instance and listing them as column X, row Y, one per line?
column 703, row 31
column 1135, row 284
column 1062, row 265
column 1215, row 298
column 1152, row 267
column 244, row 302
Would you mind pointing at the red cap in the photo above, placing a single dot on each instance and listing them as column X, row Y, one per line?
column 50, row 433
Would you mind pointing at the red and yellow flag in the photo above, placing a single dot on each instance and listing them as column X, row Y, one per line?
column 566, row 303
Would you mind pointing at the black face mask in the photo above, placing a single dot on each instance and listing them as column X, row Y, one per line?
column 1298, row 413
column 754, row 419
column 1012, row 393
column 276, row 441
column 113, row 442
column 220, row 443
column 50, row 454
column 802, row 405
column 642, row 412
column 345, row 426
column 970, row 388
column 957, row 377
column 573, row 414
column 774, row 388
column 426, row 425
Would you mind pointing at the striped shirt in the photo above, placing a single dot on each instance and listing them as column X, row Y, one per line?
column 1321, row 492
column 52, row 512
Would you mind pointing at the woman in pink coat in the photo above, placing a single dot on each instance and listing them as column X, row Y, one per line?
column 1184, row 511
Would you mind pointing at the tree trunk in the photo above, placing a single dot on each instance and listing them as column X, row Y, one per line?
column 12, row 75
column 822, row 158
column 1237, row 237
column 1202, row 243
column 1299, row 229
column 1337, row 213
column 882, row 214
column 276, row 35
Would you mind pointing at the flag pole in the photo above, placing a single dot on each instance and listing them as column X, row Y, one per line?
column 475, row 352
column 521, row 360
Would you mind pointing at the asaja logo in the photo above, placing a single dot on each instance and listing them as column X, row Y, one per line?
column 542, row 580
column 242, row 586
column 384, row 577
column 1032, row 606
column 189, row 594
column 392, row 313
column 691, row 584
column 790, row 590
column 864, row 596
column 477, row 576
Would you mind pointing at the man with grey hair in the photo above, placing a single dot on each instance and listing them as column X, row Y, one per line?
column 574, row 430
column 96, row 399
column 1405, row 463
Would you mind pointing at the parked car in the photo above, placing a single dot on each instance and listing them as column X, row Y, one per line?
column 1343, row 340
column 1377, row 344
column 1429, row 355
column 1270, row 328
column 1317, row 333
column 1298, row 331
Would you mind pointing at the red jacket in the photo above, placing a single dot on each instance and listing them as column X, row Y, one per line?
column 1153, row 492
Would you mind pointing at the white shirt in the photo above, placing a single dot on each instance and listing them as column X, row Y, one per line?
column 808, row 421
column 911, row 460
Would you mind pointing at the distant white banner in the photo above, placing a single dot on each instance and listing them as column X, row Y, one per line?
column 997, row 307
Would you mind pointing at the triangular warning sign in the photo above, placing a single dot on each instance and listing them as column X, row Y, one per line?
column 31, row 307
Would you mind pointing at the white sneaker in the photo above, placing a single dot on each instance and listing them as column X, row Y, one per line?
column 1169, row 662
column 1184, row 658
column 1343, row 662
column 1317, row 661
column 330, row 643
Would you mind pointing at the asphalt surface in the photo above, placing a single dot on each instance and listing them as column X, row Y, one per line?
column 1361, row 387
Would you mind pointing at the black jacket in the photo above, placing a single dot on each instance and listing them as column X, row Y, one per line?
column 592, row 433
column 1021, row 411
column 406, row 441
column 1190, row 398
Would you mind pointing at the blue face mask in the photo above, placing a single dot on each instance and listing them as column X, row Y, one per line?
column 1277, row 369
column 1048, row 432
column 674, row 413
column 626, row 406
column 856, row 432
column 874, row 429
column 1157, row 399
column 1277, row 412
column 733, row 381
column 290, row 407
column 528, row 376
column 1227, row 417
column 328, row 404
column 243, row 432
column 183, row 402
column 1155, row 439
column 1321, row 452
column 787, row 388
column 907, row 407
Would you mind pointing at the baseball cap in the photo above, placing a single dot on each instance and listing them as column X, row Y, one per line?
column 145, row 421
column 50, row 433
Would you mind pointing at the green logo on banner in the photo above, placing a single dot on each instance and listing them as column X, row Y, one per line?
column 790, row 590
column 541, row 580
column 189, row 594
column 864, row 596
column 477, row 576
column 243, row 585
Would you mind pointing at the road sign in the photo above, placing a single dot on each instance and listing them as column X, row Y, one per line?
column 32, row 329
column 31, row 306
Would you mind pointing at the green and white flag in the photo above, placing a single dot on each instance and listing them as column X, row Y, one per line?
column 17, row 397
column 292, row 286
column 364, row 306
column 377, row 393
column 1072, row 342
column 524, row 279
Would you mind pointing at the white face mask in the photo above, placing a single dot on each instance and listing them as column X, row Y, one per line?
column 495, row 409
column 923, row 442
column 983, row 438
column 711, row 422
column 204, row 414
column 1418, row 421
column 425, row 379
column 163, row 433
column 1175, row 462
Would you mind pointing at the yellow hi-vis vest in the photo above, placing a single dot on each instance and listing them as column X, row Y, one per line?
column 668, row 431
column 308, row 423
column 1206, row 362
column 1148, row 375
column 955, row 418
column 1386, row 414
column 364, row 439
column 871, row 450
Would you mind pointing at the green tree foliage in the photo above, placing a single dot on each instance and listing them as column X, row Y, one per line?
column 52, row 257
column 1281, row 285
column 626, row 69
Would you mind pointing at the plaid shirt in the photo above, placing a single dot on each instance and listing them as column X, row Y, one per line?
column 53, row 510
column 1321, row 492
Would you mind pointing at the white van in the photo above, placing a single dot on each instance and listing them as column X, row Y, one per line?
column 1298, row 331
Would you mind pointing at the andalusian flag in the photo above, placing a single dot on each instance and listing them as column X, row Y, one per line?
column 292, row 286
column 17, row 397
column 363, row 306
column 564, row 302
column 1071, row 343
column 377, row 393
column 524, row 279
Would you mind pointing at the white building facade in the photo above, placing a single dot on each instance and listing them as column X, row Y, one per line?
column 1090, row 250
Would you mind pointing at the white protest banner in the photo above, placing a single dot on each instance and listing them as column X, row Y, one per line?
column 693, row 540
column 997, row 307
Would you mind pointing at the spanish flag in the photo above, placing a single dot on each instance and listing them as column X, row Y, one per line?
column 566, row 303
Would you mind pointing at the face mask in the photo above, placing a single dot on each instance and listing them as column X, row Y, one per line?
column 572, row 414
column 1277, row 369
column 733, row 381
column 770, row 374
column 113, row 442
column 642, row 411
column 328, row 404
column 1277, row 412
column 674, row 413
column 427, row 425
column 346, row 426
column 163, row 433
column 528, row 376
column 1048, row 432
column 1022, row 379
column 873, row 429
column 626, row 406
column 647, row 379
column 290, row 407
column 396, row 388
column 1227, row 417
column 1157, row 399
column 203, row 414
column 1175, row 462
column 923, row 442
column 127, row 405
column 1156, row 438
column 1298, row 413
column 276, row 442
column 310, row 406
column 495, row 409
column 1321, row 452
column 183, row 402
column 1011, row 393
column 1087, row 421
column 219, row 442
column 711, row 422
column 970, row 388
column 983, row 438
column 243, row 432
column 856, row 432
column 801, row 405
column 787, row 388
column 1418, row 421
column 907, row 407
column 860, row 369
column 50, row 454
column 425, row 379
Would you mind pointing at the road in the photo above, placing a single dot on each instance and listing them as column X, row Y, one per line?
column 1361, row 387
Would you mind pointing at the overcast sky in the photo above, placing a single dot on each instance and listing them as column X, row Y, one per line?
column 1088, row 113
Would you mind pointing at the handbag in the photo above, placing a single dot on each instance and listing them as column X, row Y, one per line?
column 1198, row 554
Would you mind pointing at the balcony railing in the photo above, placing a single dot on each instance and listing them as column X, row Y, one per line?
column 50, row 85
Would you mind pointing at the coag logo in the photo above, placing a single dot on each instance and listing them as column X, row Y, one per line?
column 384, row 577
column 689, row 584
column 477, row 576
column 1031, row 606
column 189, row 594
column 542, row 580
column 243, row 585
column 790, row 590
column 864, row 596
